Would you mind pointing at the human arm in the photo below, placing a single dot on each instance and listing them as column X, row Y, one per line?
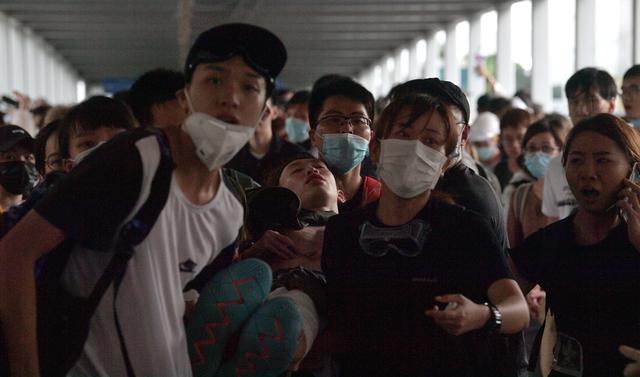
column 19, row 249
column 467, row 315
column 632, row 369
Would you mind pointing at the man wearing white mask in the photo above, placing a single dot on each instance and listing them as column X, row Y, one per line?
column 138, row 328
column 341, row 114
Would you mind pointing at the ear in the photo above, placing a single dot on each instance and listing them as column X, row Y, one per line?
column 341, row 197
column 67, row 164
column 268, row 112
column 374, row 149
column 182, row 99
column 312, row 137
column 465, row 135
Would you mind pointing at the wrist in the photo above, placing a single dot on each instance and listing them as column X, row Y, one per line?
column 494, row 324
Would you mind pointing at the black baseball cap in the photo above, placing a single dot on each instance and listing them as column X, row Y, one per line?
column 262, row 50
column 11, row 135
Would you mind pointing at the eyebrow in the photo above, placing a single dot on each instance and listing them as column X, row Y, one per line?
column 218, row 68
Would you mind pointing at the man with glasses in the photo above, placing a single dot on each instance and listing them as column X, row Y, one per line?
column 341, row 114
column 589, row 91
column 631, row 95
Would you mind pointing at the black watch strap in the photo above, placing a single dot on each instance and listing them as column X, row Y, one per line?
column 494, row 324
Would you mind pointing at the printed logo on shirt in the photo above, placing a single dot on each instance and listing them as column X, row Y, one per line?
column 188, row 266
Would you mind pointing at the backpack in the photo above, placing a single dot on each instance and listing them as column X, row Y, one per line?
column 63, row 320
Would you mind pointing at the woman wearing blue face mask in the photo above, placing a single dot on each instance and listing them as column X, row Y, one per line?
column 417, row 286
column 541, row 143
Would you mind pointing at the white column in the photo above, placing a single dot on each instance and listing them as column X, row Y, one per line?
column 414, row 68
column 430, row 67
column 506, row 70
column 540, row 82
column 50, row 76
column 451, row 69
column 5, row 58
column 585, row 33
column 41, row 57
column 16, row 55
column 477, row 85
column 30, row 65
column 636, row 32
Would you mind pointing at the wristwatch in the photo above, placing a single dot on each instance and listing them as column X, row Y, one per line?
column 493, row 325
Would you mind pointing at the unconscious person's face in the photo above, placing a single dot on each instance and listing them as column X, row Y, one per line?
column 312, row 181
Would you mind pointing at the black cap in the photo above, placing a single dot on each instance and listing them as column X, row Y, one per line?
column 261, row 49
column 11, row 135
column 446, row 91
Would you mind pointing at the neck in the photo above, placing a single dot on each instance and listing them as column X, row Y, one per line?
column 394, row 210
column 512, row 163
column 350, row 182
column 261, row 139
column 197, row 183
column 591, row 227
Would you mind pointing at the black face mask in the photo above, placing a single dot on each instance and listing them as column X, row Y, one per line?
column 18, row 177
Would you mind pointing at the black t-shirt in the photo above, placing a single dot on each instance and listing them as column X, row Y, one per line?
column 376, row 305
column 503, row 173
column 258, row 169
column 593, row 291
column 470, row 190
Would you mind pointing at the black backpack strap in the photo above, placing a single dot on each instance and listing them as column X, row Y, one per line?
column 132, row 234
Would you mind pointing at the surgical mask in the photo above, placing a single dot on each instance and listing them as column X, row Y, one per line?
column 485, row 153
column 537, row 163
column 343, row 152
column 635, row 122
column 82, row 155
column 297, row 130
column 18, row 177
column 216, row 141
column 409, row 167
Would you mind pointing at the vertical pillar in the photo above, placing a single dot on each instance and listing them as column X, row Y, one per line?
column 414, row 67
column 477, row 85
column 5, row 60
column 506, row 70
column 585, row 33
column 431, row 67
column 451, row 68
column 636, row 32
column 540, row 85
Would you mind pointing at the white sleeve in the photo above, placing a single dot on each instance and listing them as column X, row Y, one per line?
column 549, row 199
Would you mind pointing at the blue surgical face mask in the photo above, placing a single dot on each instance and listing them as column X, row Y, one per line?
column 634, row 122
column 297, row 130
column 537, row 163
column 343, row 152
column 485, row 153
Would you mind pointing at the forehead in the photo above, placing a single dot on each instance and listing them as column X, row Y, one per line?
column 593, row 142
column 342, row 104
column 234, row 65
column 632, row 80
column 586, row 92
column 301, row 163
column 541, row 137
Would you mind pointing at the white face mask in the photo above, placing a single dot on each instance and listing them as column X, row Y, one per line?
column 82, row 155
column 216, row 141
column 409, row 167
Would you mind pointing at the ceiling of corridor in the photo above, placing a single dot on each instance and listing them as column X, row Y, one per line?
column 123, row 38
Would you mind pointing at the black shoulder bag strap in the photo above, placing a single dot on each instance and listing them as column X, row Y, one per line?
column 132, row 234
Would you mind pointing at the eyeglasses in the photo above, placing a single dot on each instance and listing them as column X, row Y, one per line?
column 631, row 90
column 548, row 149
column 358, row 122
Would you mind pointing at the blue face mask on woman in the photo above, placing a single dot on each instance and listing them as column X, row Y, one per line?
column 537, row 163
column 343, row 152
column 297, row 130
column 485, row 153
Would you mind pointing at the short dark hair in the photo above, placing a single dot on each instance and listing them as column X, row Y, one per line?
column 153, row 87
column 300, row 97
column 632, row 72
column 483, row 101
column 513, row 118
column 590, row 78
column 92, row 114
column 499, row 105
column 339, row 87
column 40, row 144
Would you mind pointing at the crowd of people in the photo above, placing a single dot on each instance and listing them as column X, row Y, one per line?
column 206, row 223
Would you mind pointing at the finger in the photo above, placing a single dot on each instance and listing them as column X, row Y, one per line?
column 281, row 250
column 630, row 352
column 285, row 240
column 632, row 370
column 632, row 185
column 450, row 298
